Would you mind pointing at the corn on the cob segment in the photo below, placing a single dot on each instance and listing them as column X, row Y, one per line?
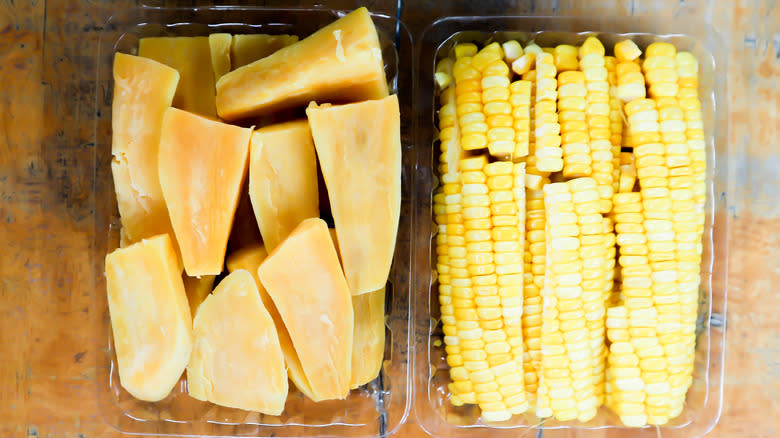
column 572, row 292
column 520, row 98
column 468, row 103
column 630, row 82
column 615, row 119
column 661, row 70
column 496, row 106
column 480, row 317
column 549, row 156
column 568, row 270
column 448, row 216
column 535, row 258
column 565, row 57
column 688, row 95
column 575, row 142
column 593, row 66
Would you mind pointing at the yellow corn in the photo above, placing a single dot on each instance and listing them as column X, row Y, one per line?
column 465, row 50
column 566, row 383
column 524, row 63
column 630, row 82
column 575, row 142
column 512, row 51
column 526, row 267
column 627, row 50
column 449, row 129
column 468, row 103
column 482, row 303
column 627, row 173
column 506, row 180
column 535, row 255
column 593, row 66
column 645, row 269
column 649, row 153
column 443, row 75
column 627, row 394
column 626, row 388
column 615, row 119
column 688, row 193
column 451, row 248
column 565, row 57
column 679, row 307
column 452, row 292
column 548, row 139
column 450, row 183
column 535, row 178
column 661, row 70
column 688, row 80
column 520, row 98
column 597, row 251
column 480, row 316
column 496, row 104
column 652, row 321
column 532, row 47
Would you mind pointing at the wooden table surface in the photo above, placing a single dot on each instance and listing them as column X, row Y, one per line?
column 47, row 90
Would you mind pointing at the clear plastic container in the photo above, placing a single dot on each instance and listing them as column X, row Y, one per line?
column 704, row 400
column 378, row 408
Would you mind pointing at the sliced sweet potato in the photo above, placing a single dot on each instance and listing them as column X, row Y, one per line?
column 202, row 164
column 359, row 150
column 304, row 279
column 191, row 56
column 341, row 61
column 250, row 259
column 236, row 359
column 150, row 317
column 282, row 179
column 143, row 90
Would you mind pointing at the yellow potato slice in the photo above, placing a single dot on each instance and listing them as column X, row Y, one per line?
column 303, row 277
column 250, row 259
column 236, row 359
column 150, row 317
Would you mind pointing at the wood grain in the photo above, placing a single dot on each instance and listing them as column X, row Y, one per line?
column 48, row 339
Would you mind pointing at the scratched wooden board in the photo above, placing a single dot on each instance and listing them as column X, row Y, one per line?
column 47, row 331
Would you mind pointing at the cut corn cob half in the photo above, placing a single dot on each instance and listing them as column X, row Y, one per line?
column 520, row 98
column 496, row 106
column 468, row 103
column 549, row 157
column 593, row 66
column 615, row 119
column 575, row 142
column 535, row 257
column 688, row 96
column 535, row 178
column 575, row 256
column 449, row 220
column 661, row 74
column 689, row 223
